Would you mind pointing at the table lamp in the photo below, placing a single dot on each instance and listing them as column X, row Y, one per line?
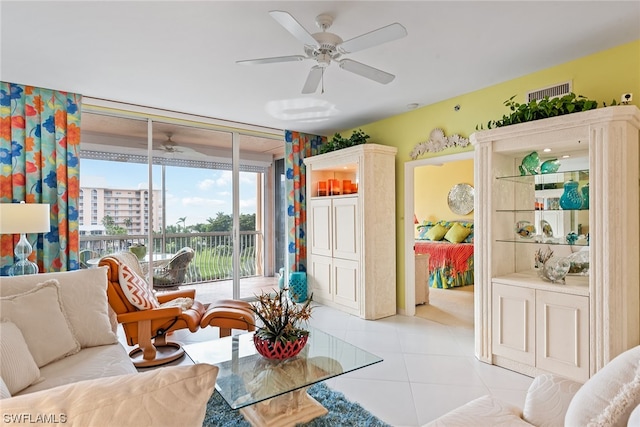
column 22, row 218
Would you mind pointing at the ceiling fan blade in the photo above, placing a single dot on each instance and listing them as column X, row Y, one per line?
column 290, row 24
column 273, row 60
column 313, row 80
column 366, row 71
column 374, row 38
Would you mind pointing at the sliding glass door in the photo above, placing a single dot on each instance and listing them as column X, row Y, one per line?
column 172, row 184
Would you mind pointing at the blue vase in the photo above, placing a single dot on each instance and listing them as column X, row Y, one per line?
column 298, row 286
column 571, row 198
column 585, row 196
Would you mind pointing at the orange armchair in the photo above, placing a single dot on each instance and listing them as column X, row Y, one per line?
column 148, row 329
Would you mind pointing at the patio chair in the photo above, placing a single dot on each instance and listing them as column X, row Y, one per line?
column 173, row 273
column 85, row 255
column 147, row 328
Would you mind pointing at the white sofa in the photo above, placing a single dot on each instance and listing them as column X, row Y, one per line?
column 610, row 398
column 60, row 357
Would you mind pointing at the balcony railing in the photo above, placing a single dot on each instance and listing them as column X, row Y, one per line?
column 213, row 258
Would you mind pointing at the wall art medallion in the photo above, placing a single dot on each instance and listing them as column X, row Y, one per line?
column 460, row 199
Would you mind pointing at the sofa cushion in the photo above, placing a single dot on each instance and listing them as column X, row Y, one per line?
column 136, row 289
column 610, row 395
column 169, row 396
column 84, row 296
column 483, row 411
column 90, row 363
column 18, row 369
column 39, row 315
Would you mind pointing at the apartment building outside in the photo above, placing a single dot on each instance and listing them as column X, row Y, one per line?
column 129, row 209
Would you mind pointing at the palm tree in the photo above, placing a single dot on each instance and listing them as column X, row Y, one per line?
column 183, row 220
column 127, row 222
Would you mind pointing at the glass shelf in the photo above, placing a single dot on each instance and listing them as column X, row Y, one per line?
column 534, row 242
column 542, row 210
column 576, row 175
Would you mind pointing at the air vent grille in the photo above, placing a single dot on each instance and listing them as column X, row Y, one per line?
column 550, row 91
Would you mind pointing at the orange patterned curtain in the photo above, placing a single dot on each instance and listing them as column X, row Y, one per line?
column 39, row 145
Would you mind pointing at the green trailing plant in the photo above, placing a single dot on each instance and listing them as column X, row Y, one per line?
column 338, row 142
column 542, row 109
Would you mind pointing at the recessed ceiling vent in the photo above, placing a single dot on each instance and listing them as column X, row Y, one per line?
column 554, row 91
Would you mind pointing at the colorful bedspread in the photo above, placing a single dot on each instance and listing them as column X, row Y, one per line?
column 450, row 264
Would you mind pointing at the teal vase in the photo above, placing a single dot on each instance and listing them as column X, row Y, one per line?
column 585, row 196
column 298, row 286
column 571, row 198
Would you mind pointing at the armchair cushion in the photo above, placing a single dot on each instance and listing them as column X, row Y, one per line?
column 39, row 315
column 547, row 400
column 18, row 369
column 609, row 397
column 483, row 411
column 172, row 396
column 136, row 290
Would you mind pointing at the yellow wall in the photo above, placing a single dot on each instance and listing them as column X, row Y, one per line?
column 603, row 76
column 431, row 189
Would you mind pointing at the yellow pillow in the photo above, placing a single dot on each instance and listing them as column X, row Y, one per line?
column 436, row 232
column 457, row 233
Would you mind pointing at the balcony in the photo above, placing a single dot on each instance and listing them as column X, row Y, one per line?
column 213, row 252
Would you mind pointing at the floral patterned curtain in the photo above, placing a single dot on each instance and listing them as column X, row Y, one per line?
column 39, row 145
column 297, row 147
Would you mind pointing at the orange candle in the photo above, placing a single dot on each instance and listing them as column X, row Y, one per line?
column 354, row 187
column 322, row 188
column 334, row 187
column 346, row 186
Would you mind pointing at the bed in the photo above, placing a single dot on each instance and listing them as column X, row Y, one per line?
column 449, row 245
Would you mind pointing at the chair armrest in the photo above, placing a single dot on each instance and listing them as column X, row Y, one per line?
column 155, row 313
column 548, row 399
column 183, row 293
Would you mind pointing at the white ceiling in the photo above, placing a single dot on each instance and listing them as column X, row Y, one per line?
column 181, row 55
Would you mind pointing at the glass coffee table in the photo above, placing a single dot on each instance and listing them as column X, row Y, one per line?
column 274, row 393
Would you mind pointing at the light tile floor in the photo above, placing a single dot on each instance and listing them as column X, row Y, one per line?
column 428, row 369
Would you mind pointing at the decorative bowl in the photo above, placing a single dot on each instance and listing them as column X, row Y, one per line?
column 525, row 229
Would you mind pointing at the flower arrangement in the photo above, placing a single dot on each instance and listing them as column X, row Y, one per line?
column 281, row 318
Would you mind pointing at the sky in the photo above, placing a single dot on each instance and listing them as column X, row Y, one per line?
column 196, row 194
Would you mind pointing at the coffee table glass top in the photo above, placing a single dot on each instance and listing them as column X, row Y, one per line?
column 245, row 377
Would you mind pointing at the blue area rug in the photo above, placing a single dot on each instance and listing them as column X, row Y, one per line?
column 342, row 412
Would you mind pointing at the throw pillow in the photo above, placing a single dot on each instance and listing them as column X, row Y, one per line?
column 169, row 396
column 457, row 233
column 437, row 232
column 136, row 289
column 183, row 302
column 39, row 315
column 18, row 369
column 84, row 296
column 611, row 394
column 4, row 390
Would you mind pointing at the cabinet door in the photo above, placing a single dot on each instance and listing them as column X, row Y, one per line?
column 320, row 231
column 347, row 283
column 319, row 276
column 346, row 228
column 562, row 342
column 513, row 323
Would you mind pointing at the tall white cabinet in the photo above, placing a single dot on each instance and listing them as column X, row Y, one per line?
column 534, row 326
column 351, row 229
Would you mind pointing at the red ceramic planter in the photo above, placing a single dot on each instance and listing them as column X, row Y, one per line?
column 278, row 350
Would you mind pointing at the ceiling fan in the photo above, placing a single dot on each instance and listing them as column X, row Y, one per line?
column 170, row 146
column 325, row 47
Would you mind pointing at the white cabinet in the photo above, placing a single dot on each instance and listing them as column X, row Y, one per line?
column 541, row 330
column 351, row 260
column 574, row 328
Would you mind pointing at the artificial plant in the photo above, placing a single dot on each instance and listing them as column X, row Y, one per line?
column 338, row 142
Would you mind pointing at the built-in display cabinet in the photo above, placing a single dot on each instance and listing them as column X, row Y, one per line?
column 571, row 327
column 351, row 238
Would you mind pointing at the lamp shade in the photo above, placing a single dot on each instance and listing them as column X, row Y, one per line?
column 18, row 218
